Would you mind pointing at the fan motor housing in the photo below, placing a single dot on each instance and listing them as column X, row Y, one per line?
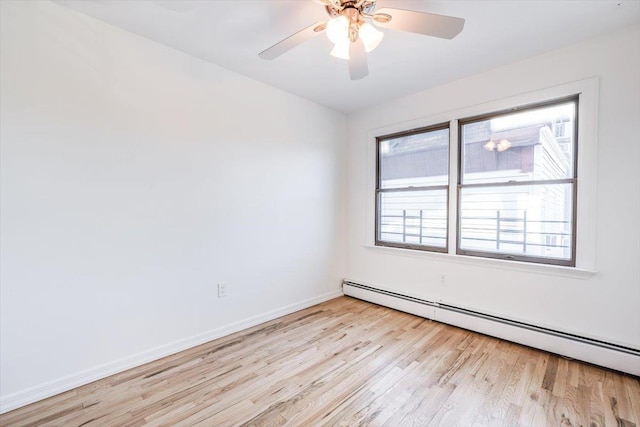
column 362, row 6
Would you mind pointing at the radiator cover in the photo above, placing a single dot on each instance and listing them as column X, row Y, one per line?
column 614, row 356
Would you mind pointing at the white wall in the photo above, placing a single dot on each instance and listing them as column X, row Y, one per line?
column 602, row 306
column 134, row 178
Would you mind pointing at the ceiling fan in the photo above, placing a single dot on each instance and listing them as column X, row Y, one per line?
column 353, row 35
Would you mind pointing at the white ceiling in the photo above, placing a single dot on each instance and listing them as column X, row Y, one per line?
column 232, row 33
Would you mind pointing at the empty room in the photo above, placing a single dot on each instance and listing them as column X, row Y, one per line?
column 319, row 213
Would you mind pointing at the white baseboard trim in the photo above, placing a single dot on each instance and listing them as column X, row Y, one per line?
column 51, row 388
column 573, row 347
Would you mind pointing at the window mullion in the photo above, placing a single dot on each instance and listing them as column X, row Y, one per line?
column 452, row 193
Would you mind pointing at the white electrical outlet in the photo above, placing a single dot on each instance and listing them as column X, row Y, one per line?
column 222, row 290
column 443, row 280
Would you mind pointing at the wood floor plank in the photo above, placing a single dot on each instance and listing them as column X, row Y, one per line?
column 347, row 362
column 561, row 378
column 632, row 386
column 499, row 374
column 512, row 416
column 596, row 408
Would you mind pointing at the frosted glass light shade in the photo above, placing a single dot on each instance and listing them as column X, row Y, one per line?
column 503, row 145
column 490, row 146
column 341, row 49
column 338, row 29
column 370, row 36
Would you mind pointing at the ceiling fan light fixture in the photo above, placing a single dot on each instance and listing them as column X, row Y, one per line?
column 338, row 29
column 490, row 146
column 341, row 49
column 370, row 36
column 503, row 145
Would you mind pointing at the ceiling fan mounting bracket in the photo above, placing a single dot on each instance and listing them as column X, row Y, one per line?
column 336, row 8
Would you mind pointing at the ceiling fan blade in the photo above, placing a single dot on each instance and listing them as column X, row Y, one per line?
column 293, row 41
column 358, row 68
column 430, row 24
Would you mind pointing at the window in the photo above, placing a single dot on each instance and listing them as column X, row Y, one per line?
column 412, row 189
column 517, row 184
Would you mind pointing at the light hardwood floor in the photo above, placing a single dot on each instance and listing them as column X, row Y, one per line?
column 347, row 362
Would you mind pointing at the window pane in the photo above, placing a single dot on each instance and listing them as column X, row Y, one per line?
column 529, row 220
column 419, row 159
column 413, row 217
column 536, row 144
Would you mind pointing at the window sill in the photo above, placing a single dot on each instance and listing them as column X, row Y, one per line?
column 545, row 269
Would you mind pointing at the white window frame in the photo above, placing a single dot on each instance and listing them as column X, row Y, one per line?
column 585, row 266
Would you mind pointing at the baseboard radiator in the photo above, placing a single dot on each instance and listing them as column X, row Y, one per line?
column 620, row 358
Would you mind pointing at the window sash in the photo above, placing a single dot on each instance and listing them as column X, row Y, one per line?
column 417, row 225
column 522, row 108
column 380, row 192
column 497, row 183
column 515, row 231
